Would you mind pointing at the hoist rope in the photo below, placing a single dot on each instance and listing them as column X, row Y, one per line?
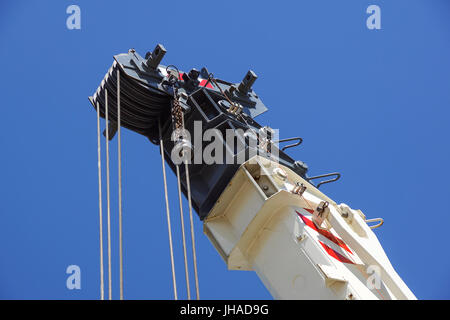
column 100, row 214
column 169, row 227
column 178, row 124
column 108, row 197
column 178, row 119
column 186, row 267
column 119, row 161
column 194, row 254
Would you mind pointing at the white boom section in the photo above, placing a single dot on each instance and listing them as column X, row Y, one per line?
column 262, row 222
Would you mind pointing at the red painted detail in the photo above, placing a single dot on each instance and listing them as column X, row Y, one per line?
column 327, row 234
column 203, row 82
column 335, row 254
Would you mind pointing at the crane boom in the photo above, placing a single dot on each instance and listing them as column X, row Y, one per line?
column 259, row 207
column 262, row 222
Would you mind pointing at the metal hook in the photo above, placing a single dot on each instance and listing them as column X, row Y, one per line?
column 379, row 224
column 337, row 174
column 300, row 140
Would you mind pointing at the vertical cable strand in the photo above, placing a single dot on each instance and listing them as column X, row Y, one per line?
column 194, row 254
column 100, row 213
column 108, row 197
column 119, row 161
column 186, row 267
column 169, row 227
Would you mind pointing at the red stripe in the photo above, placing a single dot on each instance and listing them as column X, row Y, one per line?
column 327, row 234
column 203, row 82
column 335, row 254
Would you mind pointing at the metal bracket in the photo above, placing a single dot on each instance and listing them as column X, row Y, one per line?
column 112, row 129
column 299, row 189
column 153, row 59
column 321, row 207
column 321, row 214
column 246, row 84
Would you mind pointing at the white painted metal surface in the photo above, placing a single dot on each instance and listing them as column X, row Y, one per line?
column 259, row 223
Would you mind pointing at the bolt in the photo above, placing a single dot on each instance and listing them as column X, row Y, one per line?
column 280, row 174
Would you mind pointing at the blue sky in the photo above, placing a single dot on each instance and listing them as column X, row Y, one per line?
column 371, row 104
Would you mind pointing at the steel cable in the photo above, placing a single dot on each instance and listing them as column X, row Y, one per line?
column 186, row 267
column 108, row 197
column 194, row 254
column 99, row 165
column 169, row 227
column 119, row 161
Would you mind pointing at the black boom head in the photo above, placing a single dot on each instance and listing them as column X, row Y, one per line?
column 147, row 91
